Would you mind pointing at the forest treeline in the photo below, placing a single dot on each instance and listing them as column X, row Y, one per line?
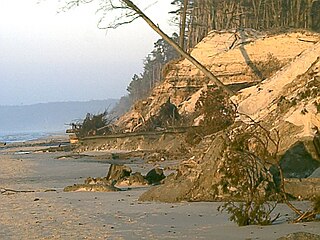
column 203, row 16
column 196, row 18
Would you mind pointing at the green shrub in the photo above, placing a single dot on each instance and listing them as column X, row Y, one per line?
column 217, row 111
column 246, row 180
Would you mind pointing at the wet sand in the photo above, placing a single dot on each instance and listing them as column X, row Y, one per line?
column 50, row 213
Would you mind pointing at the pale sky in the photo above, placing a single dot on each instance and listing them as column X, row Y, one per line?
column 47, row 56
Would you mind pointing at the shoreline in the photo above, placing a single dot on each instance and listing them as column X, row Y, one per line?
column 56, row 214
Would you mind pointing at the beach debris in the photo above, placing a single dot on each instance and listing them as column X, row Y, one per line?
column 59, row 148
column 50, row 190
column 300, row 236
column 118, row 176
column 155, row 176
column 121, row 175
column 21, row 152
column 91, row 188
column 135, row 179
column 118, row 171
column 92, row 124
column 192, row 182
column 114, row 156
column 98, row 180
column 159, row 156
column 7, row 191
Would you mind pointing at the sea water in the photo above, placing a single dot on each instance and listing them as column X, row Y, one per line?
column 15, row 137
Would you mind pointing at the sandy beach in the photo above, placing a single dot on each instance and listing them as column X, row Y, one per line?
column 49, row 213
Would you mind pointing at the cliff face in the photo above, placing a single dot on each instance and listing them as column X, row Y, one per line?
column 284, row 73
column 288, row 100
column 238, row 59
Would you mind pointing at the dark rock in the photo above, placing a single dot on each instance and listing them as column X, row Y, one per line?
column 300, row 236
column 155, row 176
column 298, row 161
column 118, row 172
column 115, row 156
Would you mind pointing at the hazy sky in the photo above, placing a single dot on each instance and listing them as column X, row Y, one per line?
column 45, row 56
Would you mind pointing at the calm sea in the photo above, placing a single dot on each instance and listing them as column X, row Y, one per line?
column 22, row 136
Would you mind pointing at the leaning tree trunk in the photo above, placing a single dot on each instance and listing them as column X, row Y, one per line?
column 195, row 62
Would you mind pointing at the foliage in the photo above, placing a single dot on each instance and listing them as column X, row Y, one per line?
column 268, row 67
column 246, row 178
column 168, row 116
column 206, row 15
column 310, row 90
column 216, row 108
column 154, row 63
column 244, row 213
column 217, row 113
column 94, row 124
column 122, row 106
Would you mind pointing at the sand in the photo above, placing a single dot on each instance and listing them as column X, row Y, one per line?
column 50, row 213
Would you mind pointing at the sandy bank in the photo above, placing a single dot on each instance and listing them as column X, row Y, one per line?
column 114, row 215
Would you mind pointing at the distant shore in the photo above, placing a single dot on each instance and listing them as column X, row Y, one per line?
column 37, row 140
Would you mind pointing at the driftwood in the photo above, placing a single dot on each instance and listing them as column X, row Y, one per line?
column 305, row 216
column 8, row 191
column 12, row 191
